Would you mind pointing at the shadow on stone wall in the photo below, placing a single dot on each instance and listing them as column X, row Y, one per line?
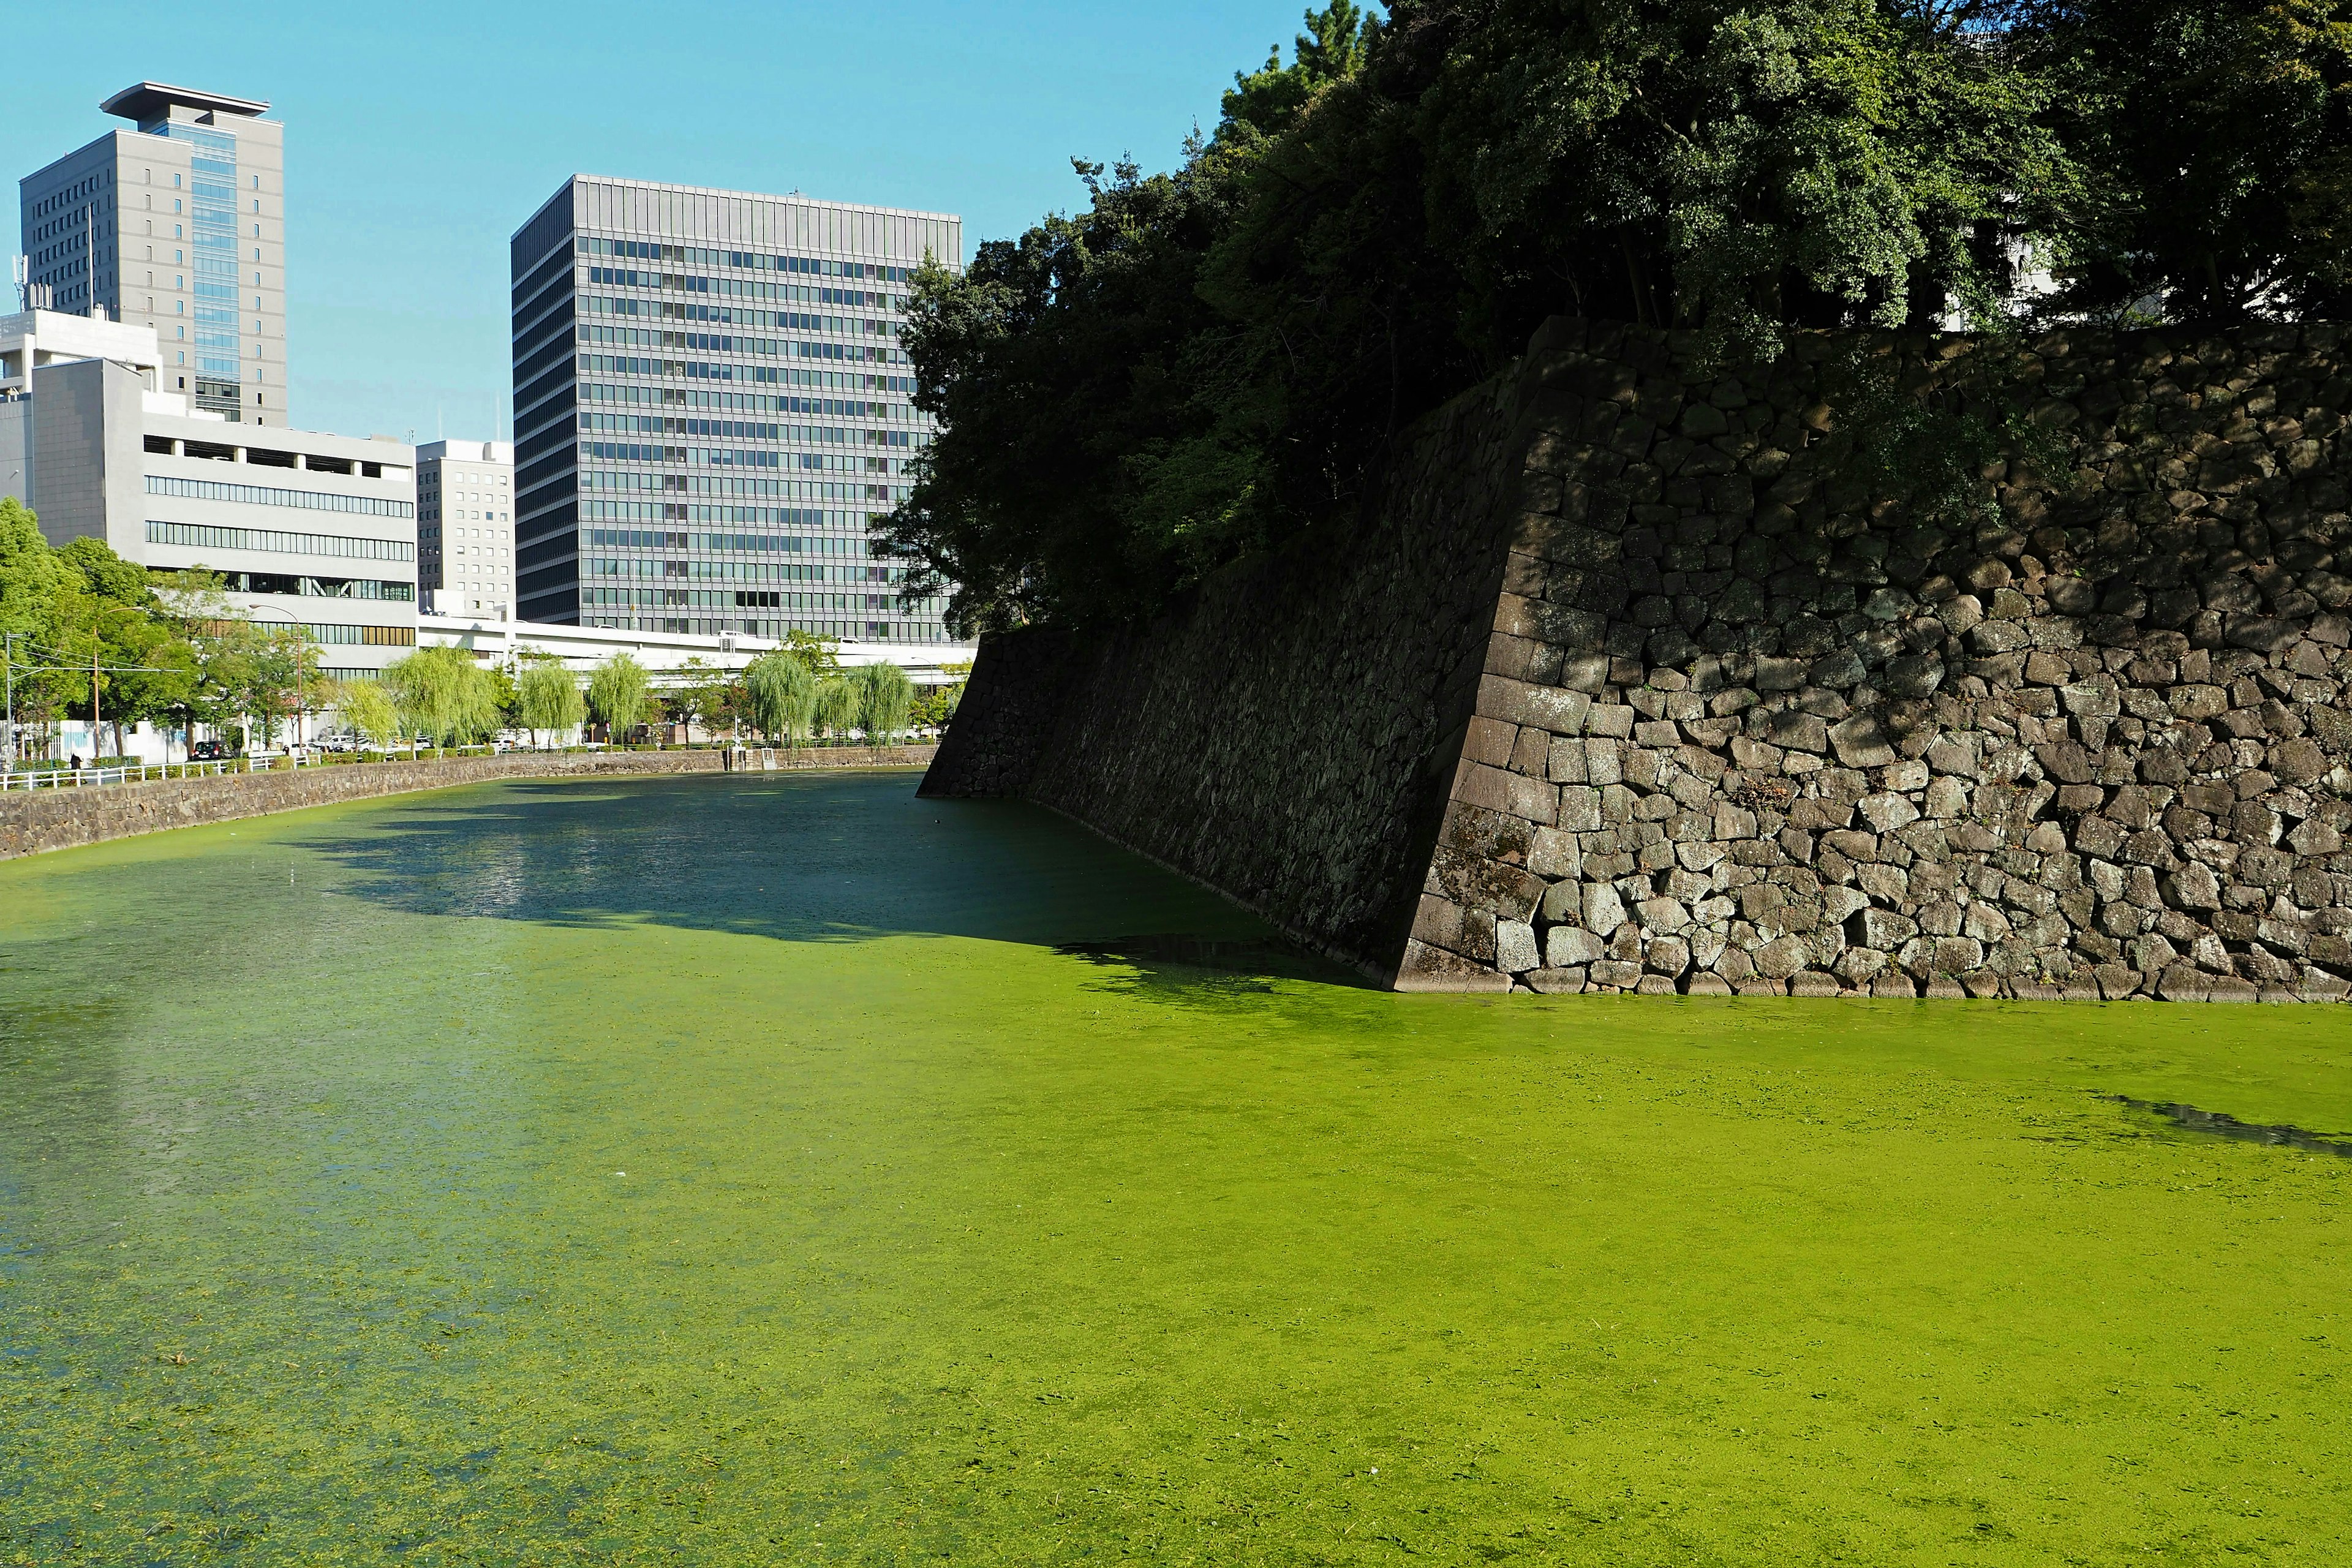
column 1715, row 699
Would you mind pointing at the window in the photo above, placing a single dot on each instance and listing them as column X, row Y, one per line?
column 175, row 203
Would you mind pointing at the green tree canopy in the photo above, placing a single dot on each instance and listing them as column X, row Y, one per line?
column 836, row 707
column 884, row 697
column 781, row 690
column 444, row 694
column 1197, row 365
column 547, row 698
column 618, row 695
column 367, row 707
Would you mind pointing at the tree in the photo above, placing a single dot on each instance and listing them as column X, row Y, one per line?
column 698, row 693
column 1202, row 364
column 281, row 675
column 884, row 696
column 368, row 708
column 2217, row 140
column 441, row 693
column 548, row 698
column 221, row 645
column 781, row 690
column 817, row 652
column 617, row 696
column 835, row 710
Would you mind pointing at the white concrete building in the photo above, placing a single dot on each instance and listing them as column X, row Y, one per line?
column 464, row 528
column 306, row 529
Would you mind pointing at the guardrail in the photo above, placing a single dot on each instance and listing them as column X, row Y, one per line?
column 136, row 772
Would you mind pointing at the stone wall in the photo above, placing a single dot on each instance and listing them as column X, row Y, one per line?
column 1288, row 734
column 1748, row 722
column 32, row 821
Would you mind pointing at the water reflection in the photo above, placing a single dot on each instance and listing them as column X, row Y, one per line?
column 802, row 859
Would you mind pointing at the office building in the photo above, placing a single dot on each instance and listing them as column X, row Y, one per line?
column 304, row 529
column 178, row 226
column 465, row 529
column 710, row 403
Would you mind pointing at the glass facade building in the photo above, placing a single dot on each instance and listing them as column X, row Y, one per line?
column 710, row 407
column 178, row 226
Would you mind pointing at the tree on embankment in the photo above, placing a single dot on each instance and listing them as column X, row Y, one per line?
column 781, row 690
column 547, row 698
column 618, row 696
column 1199, row 364
column 443, row 694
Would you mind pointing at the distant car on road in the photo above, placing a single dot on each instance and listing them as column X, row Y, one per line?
column 208, row 752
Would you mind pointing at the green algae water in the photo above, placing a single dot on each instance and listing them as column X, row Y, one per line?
column 791, row 1171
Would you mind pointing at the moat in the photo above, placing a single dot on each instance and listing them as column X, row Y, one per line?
column 779, row 1169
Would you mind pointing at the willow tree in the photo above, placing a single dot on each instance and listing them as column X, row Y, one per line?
column 837, row 706
column 548, row 698
column 618, row 696
column 368, row 708
column 884, row 697
column 782, row 695
column 441, row 693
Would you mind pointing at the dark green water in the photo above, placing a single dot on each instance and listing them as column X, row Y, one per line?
column 791, row 1171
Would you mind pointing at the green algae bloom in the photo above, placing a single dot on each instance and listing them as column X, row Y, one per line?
column 791, row 1171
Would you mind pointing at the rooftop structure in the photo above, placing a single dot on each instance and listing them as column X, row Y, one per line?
column 178, row 227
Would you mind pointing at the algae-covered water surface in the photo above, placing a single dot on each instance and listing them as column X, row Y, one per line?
column 791, row 1171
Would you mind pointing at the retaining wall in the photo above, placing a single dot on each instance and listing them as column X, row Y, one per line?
column 1744, row 719
column 32, row 821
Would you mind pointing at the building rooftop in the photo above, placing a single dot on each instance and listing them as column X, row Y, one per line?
column 152, row 101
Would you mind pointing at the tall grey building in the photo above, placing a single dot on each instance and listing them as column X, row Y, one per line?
column 710, row 403
column 180, row 225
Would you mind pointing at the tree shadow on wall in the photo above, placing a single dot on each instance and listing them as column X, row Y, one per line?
column 803, row 857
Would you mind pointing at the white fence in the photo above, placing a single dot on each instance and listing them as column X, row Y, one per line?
column 136, row 772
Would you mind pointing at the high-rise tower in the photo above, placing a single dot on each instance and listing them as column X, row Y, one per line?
column 710, row 403
column 178, row 224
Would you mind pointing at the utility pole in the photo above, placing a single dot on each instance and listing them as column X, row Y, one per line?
column 96, row 604
column 8, row 662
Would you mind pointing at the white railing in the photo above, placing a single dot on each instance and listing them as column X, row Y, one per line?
column 135, row 772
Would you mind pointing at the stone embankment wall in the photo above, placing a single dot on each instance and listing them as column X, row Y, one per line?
column 1289, row 735
column 1747, row 722
column 32, row 821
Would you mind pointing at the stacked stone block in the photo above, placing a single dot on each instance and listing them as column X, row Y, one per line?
column 1747, row 723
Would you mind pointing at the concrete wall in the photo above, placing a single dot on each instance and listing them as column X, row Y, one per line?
column 1748, row 718
column 32, row 821
column 87, row 466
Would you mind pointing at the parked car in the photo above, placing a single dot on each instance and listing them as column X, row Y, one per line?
column 209, row 752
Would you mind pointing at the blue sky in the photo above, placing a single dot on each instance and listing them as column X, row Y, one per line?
column 419, row 136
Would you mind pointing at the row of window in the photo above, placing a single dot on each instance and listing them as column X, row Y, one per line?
column 318, row 587
column 873, row 631
column 730, row 571
column 741, row 288
column 263, row 495
column 782, row 489
column 750, row 261
column 703, row 598
column 332, row 636
column 201, row 536
column 699, row 370
column 743, row 430
column 674, row 424
column 798, row 544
